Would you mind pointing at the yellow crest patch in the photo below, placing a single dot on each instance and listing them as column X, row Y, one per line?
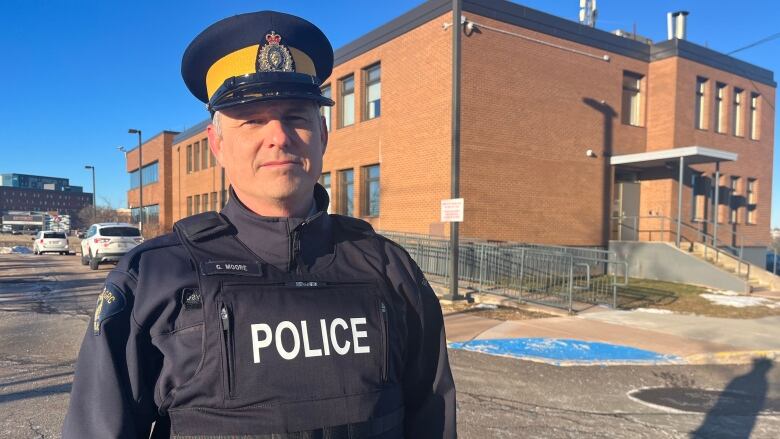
column 110, row 301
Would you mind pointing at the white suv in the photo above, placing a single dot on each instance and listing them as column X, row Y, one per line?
column 51, row 242
column 108, row 242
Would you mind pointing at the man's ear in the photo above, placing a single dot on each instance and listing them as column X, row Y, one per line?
column 323, row 134
column 215, row 143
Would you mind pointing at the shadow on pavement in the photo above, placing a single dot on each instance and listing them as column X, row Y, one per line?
column 33, row 380
column 35, row 393
column 736, row 416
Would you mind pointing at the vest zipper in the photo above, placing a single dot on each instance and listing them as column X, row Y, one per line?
column 385, row 340
column 224, row 315
column 295, row 253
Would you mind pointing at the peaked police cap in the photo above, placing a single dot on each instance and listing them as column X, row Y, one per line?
column 256, row 57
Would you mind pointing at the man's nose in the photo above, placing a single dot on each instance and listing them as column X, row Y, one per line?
column 276, row 134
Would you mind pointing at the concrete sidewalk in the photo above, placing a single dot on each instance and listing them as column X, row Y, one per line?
column 694, row 339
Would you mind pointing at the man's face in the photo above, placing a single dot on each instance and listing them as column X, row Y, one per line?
column 271, row 151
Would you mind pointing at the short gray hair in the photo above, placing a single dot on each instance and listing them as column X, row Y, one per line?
column 216, row 121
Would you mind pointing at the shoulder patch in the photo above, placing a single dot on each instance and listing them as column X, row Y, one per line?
column 111, row 301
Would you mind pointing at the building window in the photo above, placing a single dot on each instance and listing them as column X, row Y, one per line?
column 373, row 92
column 196, row 204
column 751, row 197
column 700, row 187
column 196, row 157
column 737, row 113
column 370, row 190
column 325, row 182
column 152, row 214
column 214, row 201
column 204, row 155
column 325, row 110
column 149, row 173
column 189, row 206
column 701, row 103
column 225, row 193
column 347, row 101
column 720, row 95
column 189, row 158
column 733, row 200
column 346, row 192
column 212, row 159
column 205, row 198
column 632, row 97
column 754, row 120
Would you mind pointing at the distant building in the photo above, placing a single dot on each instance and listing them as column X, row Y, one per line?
column 35, row 193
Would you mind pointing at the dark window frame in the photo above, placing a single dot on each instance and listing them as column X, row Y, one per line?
column 367, row 83
column 342, row 96
column 367, row 180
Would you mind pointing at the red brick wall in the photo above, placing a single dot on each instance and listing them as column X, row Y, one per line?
column 529, row 114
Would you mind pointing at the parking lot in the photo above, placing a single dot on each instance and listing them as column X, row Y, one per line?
column 46, row 301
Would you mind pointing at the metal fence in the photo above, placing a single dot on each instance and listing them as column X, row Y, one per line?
column 551, row 275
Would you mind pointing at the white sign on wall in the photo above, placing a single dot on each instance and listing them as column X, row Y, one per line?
column 452, row 210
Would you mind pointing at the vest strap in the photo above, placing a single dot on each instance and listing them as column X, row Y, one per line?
column 367, row 429
column 202, row 226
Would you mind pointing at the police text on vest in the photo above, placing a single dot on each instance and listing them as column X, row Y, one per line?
column 263, row 337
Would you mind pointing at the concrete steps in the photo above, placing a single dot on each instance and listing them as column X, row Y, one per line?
column 759, row 279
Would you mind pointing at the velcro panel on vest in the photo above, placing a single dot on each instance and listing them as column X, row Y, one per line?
column 354, row 224
column 201, row 226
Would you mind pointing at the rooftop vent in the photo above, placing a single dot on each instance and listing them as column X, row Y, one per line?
column 676, row 26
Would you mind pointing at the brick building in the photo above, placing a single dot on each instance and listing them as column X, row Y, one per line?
column 156, row 176
column 563, row 126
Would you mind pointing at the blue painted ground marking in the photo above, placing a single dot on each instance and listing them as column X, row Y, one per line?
column 561, row 350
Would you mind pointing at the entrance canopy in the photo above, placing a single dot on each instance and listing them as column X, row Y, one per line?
column 685, row 156
column 691, row 155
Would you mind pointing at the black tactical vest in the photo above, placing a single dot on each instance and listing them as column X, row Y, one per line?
column 284, row 354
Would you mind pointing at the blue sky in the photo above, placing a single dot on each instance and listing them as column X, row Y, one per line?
column 77, row 74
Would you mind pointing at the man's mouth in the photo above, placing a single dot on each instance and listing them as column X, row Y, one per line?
column 275, row 163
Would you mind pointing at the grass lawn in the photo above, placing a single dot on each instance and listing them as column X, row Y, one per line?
column 682, row 298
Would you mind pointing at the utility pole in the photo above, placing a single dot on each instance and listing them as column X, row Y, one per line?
column 457, row 27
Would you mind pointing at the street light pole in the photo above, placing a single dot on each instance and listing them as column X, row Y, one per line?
column 140, row 180
column 94, row 193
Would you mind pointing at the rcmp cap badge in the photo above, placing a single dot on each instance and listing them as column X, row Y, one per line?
column 274, row 57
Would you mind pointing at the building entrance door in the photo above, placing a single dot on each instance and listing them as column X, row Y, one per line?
column 625, row 208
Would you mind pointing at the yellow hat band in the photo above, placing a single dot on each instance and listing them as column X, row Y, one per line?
column 244, row 62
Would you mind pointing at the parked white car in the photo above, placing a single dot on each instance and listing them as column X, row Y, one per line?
column 108, row 242
column 48, row 241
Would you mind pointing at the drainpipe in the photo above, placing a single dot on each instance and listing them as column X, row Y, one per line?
column 679, row 199
column 715, row 212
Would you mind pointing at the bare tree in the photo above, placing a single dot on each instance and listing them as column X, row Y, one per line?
column 105, row 213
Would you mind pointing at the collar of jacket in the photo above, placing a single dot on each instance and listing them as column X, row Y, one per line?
column 273, row 239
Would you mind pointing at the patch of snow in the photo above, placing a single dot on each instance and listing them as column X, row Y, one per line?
column 723, row 292
column 485, row 306
column 654, row 311
column 741, row 301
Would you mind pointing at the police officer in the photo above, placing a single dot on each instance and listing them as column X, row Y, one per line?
column 271, row 319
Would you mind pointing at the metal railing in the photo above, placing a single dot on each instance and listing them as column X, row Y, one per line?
column 714, row 248
column 551, row 275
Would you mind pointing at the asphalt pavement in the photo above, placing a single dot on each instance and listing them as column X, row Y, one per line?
column 45, row 303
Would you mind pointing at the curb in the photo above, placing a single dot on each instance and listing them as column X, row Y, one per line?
column 732, row 357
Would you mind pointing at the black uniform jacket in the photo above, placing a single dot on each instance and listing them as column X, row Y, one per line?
column 270, row 326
